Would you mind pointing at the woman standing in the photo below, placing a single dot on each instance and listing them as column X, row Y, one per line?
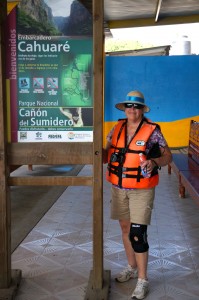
column 133, row 163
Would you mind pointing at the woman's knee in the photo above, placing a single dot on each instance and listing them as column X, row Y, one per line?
column 125, row 226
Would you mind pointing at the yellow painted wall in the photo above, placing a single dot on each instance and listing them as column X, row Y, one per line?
column 175, row 132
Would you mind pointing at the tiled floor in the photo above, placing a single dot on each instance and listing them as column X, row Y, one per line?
column 56, row 257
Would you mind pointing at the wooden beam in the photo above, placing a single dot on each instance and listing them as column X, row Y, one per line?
column 98, row 53
column 98, row 294
column 98, row 287
column 172, row 20
column 5, row 254
column 49, row 153
column 51, row 181
column 9, row 280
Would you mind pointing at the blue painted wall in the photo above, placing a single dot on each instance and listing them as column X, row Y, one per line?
column 170, row 85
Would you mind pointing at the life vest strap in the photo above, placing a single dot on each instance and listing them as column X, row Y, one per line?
column 135, row 151
column 116, row 170
column 121, row 149
column 131, row 176
column 119, row 172
column 129, row 169
column 111, row 166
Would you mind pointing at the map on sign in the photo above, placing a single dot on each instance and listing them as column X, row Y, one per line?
column 76, row 82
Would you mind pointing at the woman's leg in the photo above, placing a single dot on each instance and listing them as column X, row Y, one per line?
column 136, row 260
column 130, row 254
column 142, row 263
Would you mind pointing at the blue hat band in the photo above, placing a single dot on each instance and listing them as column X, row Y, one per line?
column 132, row 98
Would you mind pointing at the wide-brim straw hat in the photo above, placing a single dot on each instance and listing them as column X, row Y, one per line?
column 133, row 97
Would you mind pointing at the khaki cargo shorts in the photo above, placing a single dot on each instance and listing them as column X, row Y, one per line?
column 135, row 205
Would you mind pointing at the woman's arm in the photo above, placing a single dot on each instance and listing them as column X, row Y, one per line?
column 163, row 160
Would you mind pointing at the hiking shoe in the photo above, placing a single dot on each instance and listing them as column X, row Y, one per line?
column 141, row 289
column 127, row 274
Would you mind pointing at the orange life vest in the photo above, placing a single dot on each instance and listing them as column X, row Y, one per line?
column 124, row 161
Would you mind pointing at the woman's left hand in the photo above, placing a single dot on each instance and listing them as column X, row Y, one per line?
column 148, row 165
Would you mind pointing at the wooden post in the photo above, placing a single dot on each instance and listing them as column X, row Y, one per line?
column 5, row 274
column 97, row 144
column 99, row 281
column 8, row 280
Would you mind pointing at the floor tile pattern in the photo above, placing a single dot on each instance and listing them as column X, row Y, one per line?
column 56, row 256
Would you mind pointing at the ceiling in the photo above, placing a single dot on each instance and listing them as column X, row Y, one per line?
column 138, row 13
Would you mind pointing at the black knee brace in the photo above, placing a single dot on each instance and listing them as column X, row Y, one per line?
column 138, row 238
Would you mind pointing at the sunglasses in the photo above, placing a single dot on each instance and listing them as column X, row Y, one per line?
column 135, row 105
